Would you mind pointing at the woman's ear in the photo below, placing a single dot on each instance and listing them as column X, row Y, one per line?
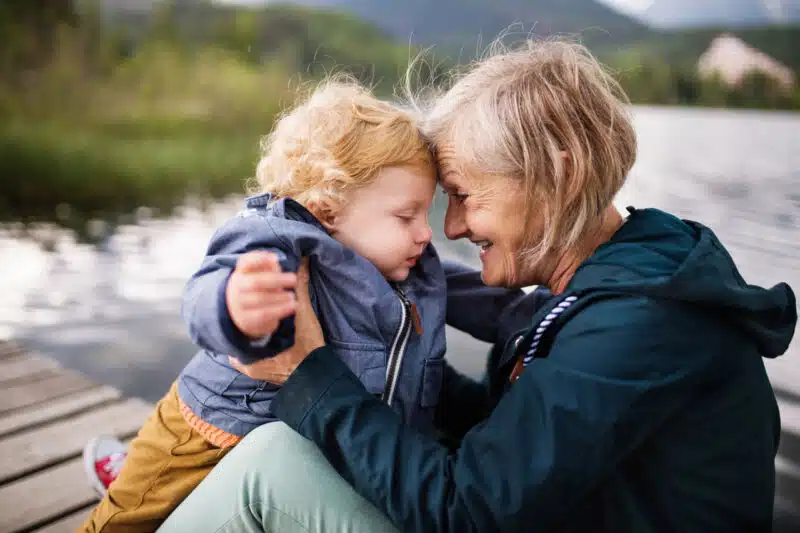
column 325, row 213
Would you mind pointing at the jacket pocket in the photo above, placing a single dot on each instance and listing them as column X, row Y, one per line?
column 367, row 361
column 432, row 375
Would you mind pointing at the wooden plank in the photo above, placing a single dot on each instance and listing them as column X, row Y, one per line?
column 24, row 365
column 55, row 409
column 38, row 499
column 9, row 348
column 31, row 450
column 790, row 417
column 68, row 524
column 59, row 491
column 787, row 481
column 24, row 393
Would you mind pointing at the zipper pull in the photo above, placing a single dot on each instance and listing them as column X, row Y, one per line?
column 417, row 320
column 516, row 371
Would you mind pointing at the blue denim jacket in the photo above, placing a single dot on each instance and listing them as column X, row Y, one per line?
column 363, row 317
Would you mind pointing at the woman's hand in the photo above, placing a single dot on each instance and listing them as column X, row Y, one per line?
column 307, row 338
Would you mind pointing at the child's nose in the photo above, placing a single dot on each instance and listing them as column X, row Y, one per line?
column 425, row 234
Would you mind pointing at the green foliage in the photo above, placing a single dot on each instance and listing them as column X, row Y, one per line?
column 28, row 29
column 683, row 48
column 649, row 80
column 312, row 42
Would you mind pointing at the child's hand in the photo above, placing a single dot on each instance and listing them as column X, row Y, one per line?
column 259, row 294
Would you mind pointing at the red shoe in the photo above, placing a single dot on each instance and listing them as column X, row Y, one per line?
column 103, row 458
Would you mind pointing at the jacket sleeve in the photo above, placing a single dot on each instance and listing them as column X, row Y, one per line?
column 490, row 314
column 204, row 307
column 569, row 420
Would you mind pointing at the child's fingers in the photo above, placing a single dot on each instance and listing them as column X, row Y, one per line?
column 278, row 312
column 256, row 300
column 268, row 281
column 258, row 261
column 267, row 318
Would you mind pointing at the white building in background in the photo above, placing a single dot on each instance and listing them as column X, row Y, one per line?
column 732, row 59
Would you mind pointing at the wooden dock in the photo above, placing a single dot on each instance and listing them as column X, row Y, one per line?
column 47, row 414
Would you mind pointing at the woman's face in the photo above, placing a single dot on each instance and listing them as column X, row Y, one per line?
column 490, row 212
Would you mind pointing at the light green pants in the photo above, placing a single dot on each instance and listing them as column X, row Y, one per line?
column 275, row 481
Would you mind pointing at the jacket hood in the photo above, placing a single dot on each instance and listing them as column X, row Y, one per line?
column 658, row 255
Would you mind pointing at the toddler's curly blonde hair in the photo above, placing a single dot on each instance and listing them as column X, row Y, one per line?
column 335, row 141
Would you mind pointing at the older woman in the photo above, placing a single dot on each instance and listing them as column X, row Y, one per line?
column 635, row 400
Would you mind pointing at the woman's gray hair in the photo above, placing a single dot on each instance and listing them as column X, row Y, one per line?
column 548, row 114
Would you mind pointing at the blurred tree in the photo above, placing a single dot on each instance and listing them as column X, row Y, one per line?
column 759, row 90
column 163, row 22
column 713, row 91
column 687, row 87
column 796, row 93
column 651, row 81
column 30, row 30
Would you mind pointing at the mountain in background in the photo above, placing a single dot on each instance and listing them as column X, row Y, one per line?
column 467, row 25
column 728, row 13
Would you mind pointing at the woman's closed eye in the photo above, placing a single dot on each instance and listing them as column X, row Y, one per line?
column 459, row 197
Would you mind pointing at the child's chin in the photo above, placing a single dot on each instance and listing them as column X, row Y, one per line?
column 399, row 274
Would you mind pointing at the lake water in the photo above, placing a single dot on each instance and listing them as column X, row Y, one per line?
column 112, row 309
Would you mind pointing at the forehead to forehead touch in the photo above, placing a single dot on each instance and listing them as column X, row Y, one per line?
column 446, row 162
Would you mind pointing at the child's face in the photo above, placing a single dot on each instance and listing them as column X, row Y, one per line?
column 387, row 221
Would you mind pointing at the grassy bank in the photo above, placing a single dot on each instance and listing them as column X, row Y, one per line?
column 101, row 172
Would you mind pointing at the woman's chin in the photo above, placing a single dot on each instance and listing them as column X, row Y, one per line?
column 492, row 277
column 497, row 273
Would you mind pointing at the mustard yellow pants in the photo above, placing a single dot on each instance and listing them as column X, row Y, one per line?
column 165, row 462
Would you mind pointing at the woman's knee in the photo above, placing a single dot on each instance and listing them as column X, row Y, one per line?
column 290, row 478
column 273, row 462
column 277, row 442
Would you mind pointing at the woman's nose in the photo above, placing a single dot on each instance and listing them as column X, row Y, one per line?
column 455, row 224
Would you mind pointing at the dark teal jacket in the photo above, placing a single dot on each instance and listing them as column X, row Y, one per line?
column 647, row 407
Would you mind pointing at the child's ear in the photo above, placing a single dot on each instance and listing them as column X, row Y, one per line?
column 325, row 213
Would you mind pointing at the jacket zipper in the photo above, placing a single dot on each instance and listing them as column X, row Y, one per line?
column 398, row 349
